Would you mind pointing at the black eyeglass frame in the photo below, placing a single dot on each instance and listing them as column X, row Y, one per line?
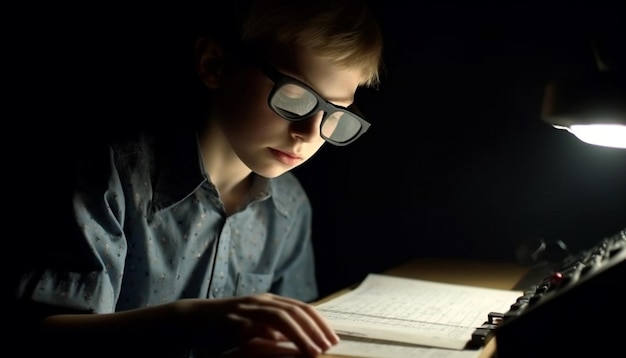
column 281, row 79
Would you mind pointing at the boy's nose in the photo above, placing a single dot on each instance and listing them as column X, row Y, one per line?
column 308, row 128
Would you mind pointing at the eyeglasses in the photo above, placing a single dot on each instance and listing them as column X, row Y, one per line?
column 294, row 100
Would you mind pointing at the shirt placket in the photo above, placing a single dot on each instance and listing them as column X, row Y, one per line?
column 219, row 276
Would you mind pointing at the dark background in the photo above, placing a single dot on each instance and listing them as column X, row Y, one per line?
column 457, row 163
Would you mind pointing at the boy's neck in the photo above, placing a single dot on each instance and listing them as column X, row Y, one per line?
column 227, row 172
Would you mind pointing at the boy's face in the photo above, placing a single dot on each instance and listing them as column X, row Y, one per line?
column 266, row 142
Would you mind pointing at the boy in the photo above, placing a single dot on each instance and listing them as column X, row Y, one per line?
column 199, row 240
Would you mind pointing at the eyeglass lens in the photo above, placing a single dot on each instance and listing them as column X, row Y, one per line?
column 295, row 102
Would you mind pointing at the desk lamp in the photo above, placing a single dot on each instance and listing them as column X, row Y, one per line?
column 592, row 104
column 580, row 288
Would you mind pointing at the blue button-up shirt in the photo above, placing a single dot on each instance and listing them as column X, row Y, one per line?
column 151, row 228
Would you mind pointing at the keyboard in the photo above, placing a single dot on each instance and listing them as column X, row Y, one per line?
column 568, row 310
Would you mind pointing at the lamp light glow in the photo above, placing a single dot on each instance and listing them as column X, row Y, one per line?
column 591, row 104
column 592, row 108
column 608, row 135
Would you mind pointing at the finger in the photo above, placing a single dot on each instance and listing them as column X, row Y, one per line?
column 266, row 332
column 257, row 320
column 306, row 317
column 280, row 316
column 258, row 346
column 314, row 314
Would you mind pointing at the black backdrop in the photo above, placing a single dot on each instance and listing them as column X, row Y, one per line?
column 456, row 164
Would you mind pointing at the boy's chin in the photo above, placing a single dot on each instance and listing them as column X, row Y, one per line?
column 272, row 173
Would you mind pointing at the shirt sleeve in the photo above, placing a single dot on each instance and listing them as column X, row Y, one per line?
column 80, row 262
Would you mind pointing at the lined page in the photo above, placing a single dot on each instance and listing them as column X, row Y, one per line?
column 414, row 311
column 355, row 347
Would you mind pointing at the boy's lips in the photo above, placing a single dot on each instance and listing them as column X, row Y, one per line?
column 287, row 158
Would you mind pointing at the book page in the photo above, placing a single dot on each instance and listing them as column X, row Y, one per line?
column 414, row 311
column 367, row 348
column 363, row 348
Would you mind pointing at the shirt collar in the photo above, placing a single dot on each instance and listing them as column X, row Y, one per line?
column 177, row 170
column 264, row 188
column 281, row 202
column 180, row 172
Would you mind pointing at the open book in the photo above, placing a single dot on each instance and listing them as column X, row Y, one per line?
column 406, row 310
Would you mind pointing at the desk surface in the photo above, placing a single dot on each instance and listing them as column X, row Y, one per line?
column 492, row 274
column 502, row 275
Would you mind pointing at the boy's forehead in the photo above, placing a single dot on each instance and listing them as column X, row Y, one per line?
column 332, row 81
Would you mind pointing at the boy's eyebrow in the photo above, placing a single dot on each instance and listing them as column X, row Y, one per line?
column 339, row 100
column 349, row 99
column 304, row 79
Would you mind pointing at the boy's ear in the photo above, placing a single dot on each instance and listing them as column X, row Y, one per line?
column 210, row 61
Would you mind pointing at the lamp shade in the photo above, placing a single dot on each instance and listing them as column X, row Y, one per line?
column 592, row 107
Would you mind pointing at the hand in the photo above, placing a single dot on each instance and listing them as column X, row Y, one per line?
column 266, row 322
column 261, row 347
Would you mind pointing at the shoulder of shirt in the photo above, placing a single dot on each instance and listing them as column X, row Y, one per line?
column 133, row 143
column 93, row 151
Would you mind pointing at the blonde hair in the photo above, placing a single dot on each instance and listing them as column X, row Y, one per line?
column 345, row 31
